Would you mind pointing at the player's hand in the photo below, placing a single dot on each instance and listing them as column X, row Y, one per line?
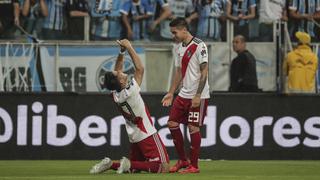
column 167, row 100
column 125, row 43
column 122, row 48
column 196, row 101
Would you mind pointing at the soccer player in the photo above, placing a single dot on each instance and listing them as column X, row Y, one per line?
column 190, row 106
column 147, row 152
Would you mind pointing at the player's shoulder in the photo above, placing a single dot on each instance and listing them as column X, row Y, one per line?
column 197, row 40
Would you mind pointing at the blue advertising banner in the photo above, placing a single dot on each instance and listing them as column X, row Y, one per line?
column 45, row 68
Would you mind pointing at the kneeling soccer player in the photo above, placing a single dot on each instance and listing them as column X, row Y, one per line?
column 147, row 152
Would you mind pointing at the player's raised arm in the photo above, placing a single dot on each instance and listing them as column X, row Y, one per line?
column 119, row 62
column 138, row 74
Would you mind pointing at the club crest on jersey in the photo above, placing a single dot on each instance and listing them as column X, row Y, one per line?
column 189, row 53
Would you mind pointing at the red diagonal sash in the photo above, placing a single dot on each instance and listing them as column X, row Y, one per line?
column 186, row 58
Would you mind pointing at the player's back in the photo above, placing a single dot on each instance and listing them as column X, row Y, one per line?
column 139, row 124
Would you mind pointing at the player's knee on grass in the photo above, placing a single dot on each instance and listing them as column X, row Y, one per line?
column 172, row 124
column 193, row 129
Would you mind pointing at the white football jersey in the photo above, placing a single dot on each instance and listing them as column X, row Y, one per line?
column 139, row 124
column 189, row 58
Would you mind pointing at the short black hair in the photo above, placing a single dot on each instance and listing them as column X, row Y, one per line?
column 111, row 82
column 179, row 22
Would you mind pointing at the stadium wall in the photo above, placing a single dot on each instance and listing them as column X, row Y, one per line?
column 88, row 126
column 80, row 68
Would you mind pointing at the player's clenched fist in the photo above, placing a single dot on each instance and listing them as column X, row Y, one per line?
column 124, row 43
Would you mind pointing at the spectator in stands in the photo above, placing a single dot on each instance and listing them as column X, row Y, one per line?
column 243, row 74
column 114, row 19
column 161, row 11
column 77, row 11
column 304, row 12
column 34, row 12
column 270, row 11
column 300, row 66
column 135, row 15
column 222, row 5
column 99, row 11
column 240, row 12
column 208, row 12
column 253, row 25
column 53, row 24
column 106, row 24
column 9, row 16
column 179, row 8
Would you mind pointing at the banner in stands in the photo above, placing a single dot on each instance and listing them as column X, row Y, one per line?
column 88, row 126
column 81, row 68
column 58, row 68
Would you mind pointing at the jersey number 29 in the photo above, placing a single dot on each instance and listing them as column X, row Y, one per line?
column 194, row 117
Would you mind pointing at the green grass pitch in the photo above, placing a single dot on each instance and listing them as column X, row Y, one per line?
column 213, row 170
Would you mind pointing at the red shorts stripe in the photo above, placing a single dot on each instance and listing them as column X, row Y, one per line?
column 161, row 149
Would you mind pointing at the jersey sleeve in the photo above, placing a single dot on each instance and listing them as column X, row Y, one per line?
column 163, row 3
column 202, row 53
column 148, row 7
column 318, row 5
column 293, row 5
column 125, row 8
column 252, row 3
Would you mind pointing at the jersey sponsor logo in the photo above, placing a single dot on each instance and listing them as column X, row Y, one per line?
column 108, row 65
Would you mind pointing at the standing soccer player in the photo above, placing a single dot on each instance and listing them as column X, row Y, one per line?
column 190, row 106
column 147, row 152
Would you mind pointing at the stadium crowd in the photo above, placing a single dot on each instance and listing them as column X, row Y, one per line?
column 148, row 20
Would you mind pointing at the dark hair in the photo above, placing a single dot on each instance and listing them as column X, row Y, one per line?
column 241, row 37
column 179, row 22
column 111, row 82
